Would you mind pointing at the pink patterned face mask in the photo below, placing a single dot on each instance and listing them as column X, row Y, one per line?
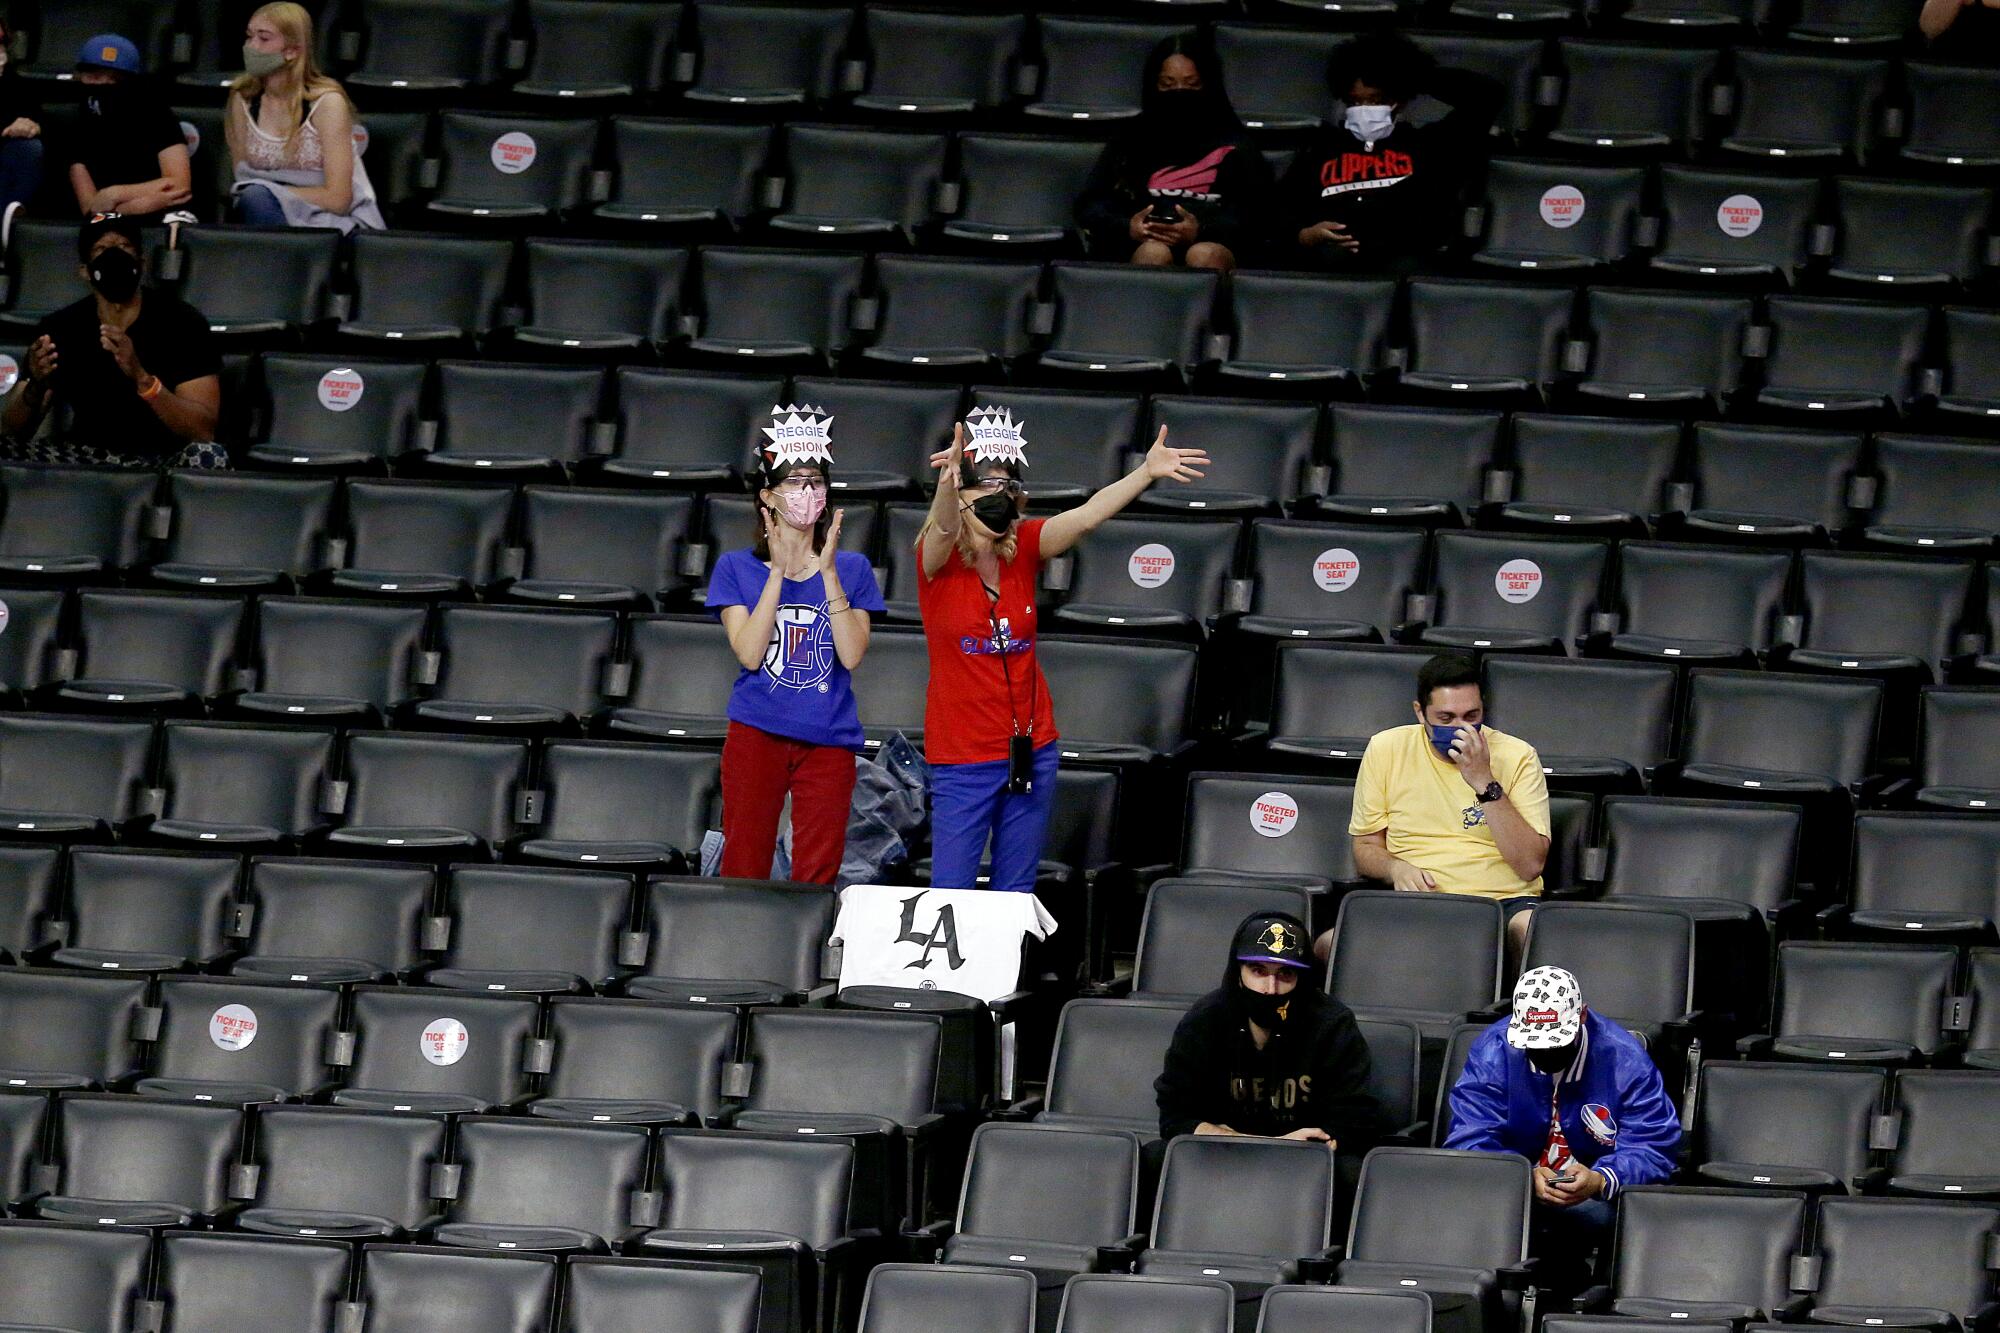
column 802, row 508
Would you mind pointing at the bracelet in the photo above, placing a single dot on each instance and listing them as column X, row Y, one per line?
column 151, row 390
column 845, row 605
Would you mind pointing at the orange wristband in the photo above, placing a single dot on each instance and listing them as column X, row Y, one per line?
column 151, row 390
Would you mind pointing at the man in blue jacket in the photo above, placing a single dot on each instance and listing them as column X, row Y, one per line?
column 1575, row 1094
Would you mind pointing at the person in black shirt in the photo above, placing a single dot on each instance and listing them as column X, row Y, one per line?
column 1377, row 188
column 1268, row 1053
column 1182, row 186
column 20, row 131
column 130, row 156
column 135, row 369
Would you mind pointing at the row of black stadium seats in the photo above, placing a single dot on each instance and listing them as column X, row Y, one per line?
column 916, row 65
column 1431, row 339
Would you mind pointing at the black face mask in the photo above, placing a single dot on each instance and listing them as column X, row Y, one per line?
column 1266, row 1011
column 105, row 99
column 115, row 274
column 1554, row 1060
column 995, row 511
column 1178, row 110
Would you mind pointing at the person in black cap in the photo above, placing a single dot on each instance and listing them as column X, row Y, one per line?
column 1268, row 1053
column 136, row 368
column 129, row 153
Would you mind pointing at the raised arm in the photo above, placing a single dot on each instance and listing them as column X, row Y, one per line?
column 941, row 532
column 1069, row 527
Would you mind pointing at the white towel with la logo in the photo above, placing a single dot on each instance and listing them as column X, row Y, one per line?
column 964, row 940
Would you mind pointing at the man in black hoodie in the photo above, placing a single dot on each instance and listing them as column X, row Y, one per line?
column 1377, row 188
column 1268, row 1053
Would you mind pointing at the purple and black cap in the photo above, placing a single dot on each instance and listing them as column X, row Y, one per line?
column 1272, row 937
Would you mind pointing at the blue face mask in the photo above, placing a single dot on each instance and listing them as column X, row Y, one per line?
column 1442, row 737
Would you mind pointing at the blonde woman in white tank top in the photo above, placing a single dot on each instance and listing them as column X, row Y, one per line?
column 291, row 132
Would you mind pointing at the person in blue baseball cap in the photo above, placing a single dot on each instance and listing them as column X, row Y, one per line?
column 129, row 154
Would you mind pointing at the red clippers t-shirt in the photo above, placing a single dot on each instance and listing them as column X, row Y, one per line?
column 967, row 718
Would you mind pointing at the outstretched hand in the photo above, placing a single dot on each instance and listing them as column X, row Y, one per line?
column 946, row 460
column 1164, row 463
column 789, row 547
column 830, row 549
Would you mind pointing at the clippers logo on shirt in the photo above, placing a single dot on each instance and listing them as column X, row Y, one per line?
column 1194, row 181
column 991, row 644
column 801, row 653
column 1345, row 173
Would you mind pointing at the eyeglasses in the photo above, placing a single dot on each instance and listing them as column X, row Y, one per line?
column 800, row 485
column 998, row 485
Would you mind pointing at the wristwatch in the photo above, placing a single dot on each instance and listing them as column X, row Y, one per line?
column 1491, row 792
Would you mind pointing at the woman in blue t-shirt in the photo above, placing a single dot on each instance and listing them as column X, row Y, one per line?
column 796, row 608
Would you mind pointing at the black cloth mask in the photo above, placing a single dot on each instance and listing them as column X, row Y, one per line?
column 115, row 274
column 995, row 511
column 1552, row 1060
column 1266, row 1011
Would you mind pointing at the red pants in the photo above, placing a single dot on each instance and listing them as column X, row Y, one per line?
column 757, row 770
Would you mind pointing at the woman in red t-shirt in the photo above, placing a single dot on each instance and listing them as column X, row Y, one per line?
column 989, row 729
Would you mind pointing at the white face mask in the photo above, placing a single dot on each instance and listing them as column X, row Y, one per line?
column 1369, row 123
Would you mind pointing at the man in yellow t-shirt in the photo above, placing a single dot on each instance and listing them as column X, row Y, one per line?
column 1449, row 805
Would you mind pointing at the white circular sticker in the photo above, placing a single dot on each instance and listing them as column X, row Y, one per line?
column 360, row 138
column 1274, row 814
column 1739, row 215
column 10, row 372
column 190, row 135
column 4, row 613
column 341, row 388
column 1518, row 581
column 1150, row 565
column 1562, row 206
column 1335, row 569
column 444, row 1041
column 233, row 1026
column 513, row 153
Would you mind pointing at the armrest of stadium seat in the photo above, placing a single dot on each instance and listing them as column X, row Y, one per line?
column 1520, row 1276
column 1022, row 1111
column 1416, row 1134
column 926, row 1243
column 1317, row 1269
column 1754, row 1046
column 1593, row 1300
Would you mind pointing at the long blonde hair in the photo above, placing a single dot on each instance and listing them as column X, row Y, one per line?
column 295, row 25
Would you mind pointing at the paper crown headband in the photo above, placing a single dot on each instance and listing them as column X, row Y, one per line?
column 798, row 434
column 993, row 436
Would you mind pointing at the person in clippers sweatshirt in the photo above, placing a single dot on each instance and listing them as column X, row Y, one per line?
column 1376, row 190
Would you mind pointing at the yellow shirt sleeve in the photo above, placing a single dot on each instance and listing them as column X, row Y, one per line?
column 1528, row 789
column 1371, row 790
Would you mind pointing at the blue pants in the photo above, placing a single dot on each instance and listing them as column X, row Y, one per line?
column 20, row 170
column 970, row 803
column 259, row 207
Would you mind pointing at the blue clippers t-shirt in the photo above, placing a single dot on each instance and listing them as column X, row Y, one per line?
column 801, row 691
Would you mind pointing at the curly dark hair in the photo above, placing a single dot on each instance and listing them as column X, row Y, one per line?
column 1385, row 60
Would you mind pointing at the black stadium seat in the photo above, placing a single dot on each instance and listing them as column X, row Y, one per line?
column 72, row 522
column 1871, row 1003
column 1836, row 355
column 531, row 929
column 599, row 296
column 1121, row 320
column 231, row 530
column 1291, row 829
column 1879, row 613
column 1771, row 483
column 1589, row 475
column 677, row 172
column 1785, row 1126
column 1485, row 338
column 1793, row 104
column 1501, row 592
column 409, row 790
column 1940, row 232
column 859, row 185
column 1623, row 95
column 1562, row 216
column 1307, row 330
column 1090, row 68
column 1932, row 1156
column 235, row 1283
column 500, row 418
column 955, row 313
column 70, row 1029
column 1259, row 453
column 237, row 1042
column 1673, row 347
column 543, row 1186
column 1156, row 574
column 1277, row 76
column 1329, row 700
column 1322, row 581
column 766, row 56
column 1948, row 126
column 421, row 539
column 1107, row 1054
column 1885, row 1260
column 689, row 429
column 256, row 282
column 1409, row 464
column 1188, row 925
column 682, row 675
column 785, row 305
column 319, row 412
column 140, row 650
column 314, row 920
column 732, row 942
column 1926, row 493
column 1697, row 603
column 887, row 431
column 317, row 658
column 1780, row 733
column 510, row 668
column 29, row 879
column 443, row 1052
column 924, row 64
column 603, row 1295
column 1343, row 1310
column 1733, row 225
column 71, row 777
column 1108, row 1303
column 1706, row 1254
column 507, row 1292
column 1956, row 767
column 1590, row 722
column 636, row 805
column 228, row 784
column 595, row 1076
column 1431, row 958
column 584, row 546
column 411, row 45
column 1923, row 871
column 411, row 288
column 123, row 1161
column 1445, row 1223
column 28, row 651
column 147, row 911
column 340, row 1173
column 909, row 1298
column 598, row 50
column 1246, row 1210
column 1019, row 190
column 74, row 1276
